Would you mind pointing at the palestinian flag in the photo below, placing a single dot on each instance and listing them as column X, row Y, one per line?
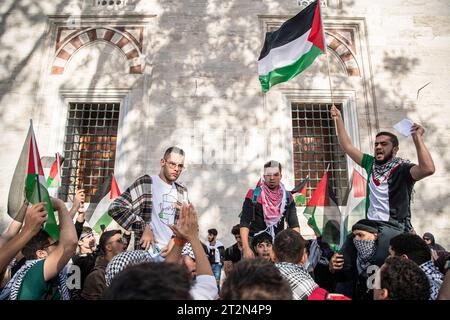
column 97, row 213
column 299, row 193
column 17, row 188
column 323, row 213
column 36, row 187
column 292, row 48
column 54, row 178
column 356, row 201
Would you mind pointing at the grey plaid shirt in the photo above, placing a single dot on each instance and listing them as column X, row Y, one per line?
column 302, row 284
column 132, row 210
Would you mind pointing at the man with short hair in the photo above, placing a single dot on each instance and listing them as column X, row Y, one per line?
column 262, row 246
column 110, row 245
column 266, row 208
column 152, row 203
column 42, row 277
column 390, row 178
column 412, row 247
column 216, row 252
column 85, row 258
column 233, row 253
column 164, row 279
column 400, row 279
column 255, row 279
column 290, row 256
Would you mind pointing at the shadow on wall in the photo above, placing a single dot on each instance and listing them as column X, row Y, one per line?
column 203, row 71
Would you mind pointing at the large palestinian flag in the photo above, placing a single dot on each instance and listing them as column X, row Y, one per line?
column 323, row 213
column 292, row 48
column 36, row 186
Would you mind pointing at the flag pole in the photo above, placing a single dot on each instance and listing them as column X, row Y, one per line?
column 33, row 143
column 328, row 63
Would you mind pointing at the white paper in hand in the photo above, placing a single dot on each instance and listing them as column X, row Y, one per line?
column 404, row 127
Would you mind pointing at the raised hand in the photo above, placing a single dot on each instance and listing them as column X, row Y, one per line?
column 35, row 217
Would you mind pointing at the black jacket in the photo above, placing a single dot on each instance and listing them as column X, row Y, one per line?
column 349, row 282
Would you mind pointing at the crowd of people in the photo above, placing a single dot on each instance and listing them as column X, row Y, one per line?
column 157, row 253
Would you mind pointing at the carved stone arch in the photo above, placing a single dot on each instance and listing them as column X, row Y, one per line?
column 131, row 48
column 344, row 52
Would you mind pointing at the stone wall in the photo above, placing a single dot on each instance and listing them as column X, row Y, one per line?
column 194, row 83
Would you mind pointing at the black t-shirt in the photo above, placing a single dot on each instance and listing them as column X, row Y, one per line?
column 257, row 224
column 233, row 253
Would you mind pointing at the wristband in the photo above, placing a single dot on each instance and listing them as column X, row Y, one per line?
column 179, row 242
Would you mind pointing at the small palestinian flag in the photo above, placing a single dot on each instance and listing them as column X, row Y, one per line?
column 292, row 48
column 323, row 214
column 54, row 178
column 356, row 200
column 97, row 212
column 299, row 192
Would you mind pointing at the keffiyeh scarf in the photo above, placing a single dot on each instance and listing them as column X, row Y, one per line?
column 381, row 172
column 366, row 250
column 273, row 204
column 124, row 260
column 12, row 288
column 435, row 278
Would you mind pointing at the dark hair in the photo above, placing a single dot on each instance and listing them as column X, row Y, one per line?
column 39, row 242
column 272, row 164
column 213, row 232
column 393, row 137
column 404, row 280
column 151, row 281
column 175, row 150
column 236, row 230
column 411, row 245
column 255, row 279
column 260, row 238
column 289, row 246
column 104, row 238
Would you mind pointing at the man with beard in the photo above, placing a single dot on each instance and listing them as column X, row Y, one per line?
column 390, row 178
column 152, row 203
column 266, row 208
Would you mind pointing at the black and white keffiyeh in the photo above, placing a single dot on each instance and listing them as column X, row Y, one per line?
column 124, row 260
column 366, row 250
column 302, row 284
column 435, row 278
column 187, row 250
column 12, row 288
column 381, row 171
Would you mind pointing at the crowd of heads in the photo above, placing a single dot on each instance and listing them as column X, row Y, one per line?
column 285, row 265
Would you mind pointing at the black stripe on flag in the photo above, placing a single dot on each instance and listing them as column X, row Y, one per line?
column 289, row 30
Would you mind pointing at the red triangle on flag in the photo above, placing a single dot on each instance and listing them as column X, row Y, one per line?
column 359, row 185
column 320, row 197
column 34, row 159
column 115, row 191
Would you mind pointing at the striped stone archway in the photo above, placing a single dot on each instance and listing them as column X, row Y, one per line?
column 126, row 43
column 344, row 52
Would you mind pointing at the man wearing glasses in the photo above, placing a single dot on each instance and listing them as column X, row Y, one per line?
column 266, row 208
column 152, row 203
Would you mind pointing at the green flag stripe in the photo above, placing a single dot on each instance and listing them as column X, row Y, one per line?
column 32, row 195
column 104, row 219
column 288, row 72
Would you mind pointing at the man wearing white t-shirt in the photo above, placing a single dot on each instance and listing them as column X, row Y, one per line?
column 152, row 203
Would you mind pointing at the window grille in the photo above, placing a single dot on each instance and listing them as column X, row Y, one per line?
column 89, row 147
column 316, row 146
